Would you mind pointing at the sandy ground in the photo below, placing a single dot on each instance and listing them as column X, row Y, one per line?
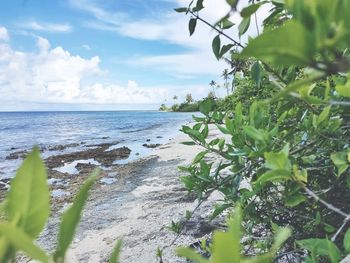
column 138, row 208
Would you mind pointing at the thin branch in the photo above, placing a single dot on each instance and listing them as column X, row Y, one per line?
column 346, row 220
column 326, row 204
column 216, row 29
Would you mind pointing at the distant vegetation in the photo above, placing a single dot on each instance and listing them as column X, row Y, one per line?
column 189, row 105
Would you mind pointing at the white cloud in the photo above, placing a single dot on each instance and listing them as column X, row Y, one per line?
column 53, row 75
column 47, row 27
column 4, row 36
column 172, row 27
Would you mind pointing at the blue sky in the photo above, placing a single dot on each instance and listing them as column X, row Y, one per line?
column 103, row 54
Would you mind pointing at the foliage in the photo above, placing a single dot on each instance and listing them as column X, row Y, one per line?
column 189, row 105
column 226, row 246
column 284, row 149
column 27, row 210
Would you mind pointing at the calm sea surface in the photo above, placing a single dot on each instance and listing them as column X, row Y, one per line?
column 22, row 130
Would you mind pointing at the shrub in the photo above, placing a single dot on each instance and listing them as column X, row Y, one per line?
column 285, row 132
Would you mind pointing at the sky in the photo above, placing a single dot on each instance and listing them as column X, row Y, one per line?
column 104, row 54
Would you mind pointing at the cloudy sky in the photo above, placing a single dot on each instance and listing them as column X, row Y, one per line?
column 103, row 54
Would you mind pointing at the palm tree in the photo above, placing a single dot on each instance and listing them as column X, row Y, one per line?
column 189, row 98
column 213, row 85
column 175, row 98
column 226, row 76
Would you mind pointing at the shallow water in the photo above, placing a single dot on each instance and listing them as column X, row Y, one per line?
column 22, row 130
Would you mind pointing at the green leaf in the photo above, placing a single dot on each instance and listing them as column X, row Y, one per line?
column 243, row 26
column 321, row 247
column 195, row 135
column 225, row 49
column 114, row 258
column 188, row 143
column 192, row 25
column 28, row 200
column 205, row 131
column 216, row 46
column 226, row 245
column 206, row 106
column 225, row 23
column 256, row 73
column 232, row 3
column 199, row 6
column 300, row 175
column 273, row 176
column 249, row 10
column 254, row 133
column 295, row 199
column 346, row 241
column 22, row 242
column 181, row 9
column 339, row 158
column 222, row 129
column 218, row 210
column 290, row 44
column 199, row 156
column 340, row 161
column 229, row 125
column 238, row 114
column 281, row 236
column 343, row 90
column 279, row 160
column 324, row 114
column 71, row 218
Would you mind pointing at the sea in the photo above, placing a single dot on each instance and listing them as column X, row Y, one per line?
column 22, row 130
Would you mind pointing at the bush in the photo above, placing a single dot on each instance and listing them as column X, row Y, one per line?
column 288, row 140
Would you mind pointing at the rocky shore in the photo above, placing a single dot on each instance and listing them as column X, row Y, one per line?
column 136, row 201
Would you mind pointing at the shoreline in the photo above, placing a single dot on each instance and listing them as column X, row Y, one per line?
column 137, row 207
column 135, row 198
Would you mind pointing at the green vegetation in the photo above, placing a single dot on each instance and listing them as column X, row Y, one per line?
column 26, row 209
column 284, row 151
column 189, row 105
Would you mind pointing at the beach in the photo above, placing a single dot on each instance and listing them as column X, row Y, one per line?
column 135, row 198
column 145, row 197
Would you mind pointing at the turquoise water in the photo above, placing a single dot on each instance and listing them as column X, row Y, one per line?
column 23, row 130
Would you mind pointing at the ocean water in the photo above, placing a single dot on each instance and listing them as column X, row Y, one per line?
column 22, row 130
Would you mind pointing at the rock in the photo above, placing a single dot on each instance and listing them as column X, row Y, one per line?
column 100, row 154
column 108, row 157
column 105, row 138
column 85, row 166
column 104, row 145
column 4, row 184
column 17, row 155
column 151, row 145
column 62, row 147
